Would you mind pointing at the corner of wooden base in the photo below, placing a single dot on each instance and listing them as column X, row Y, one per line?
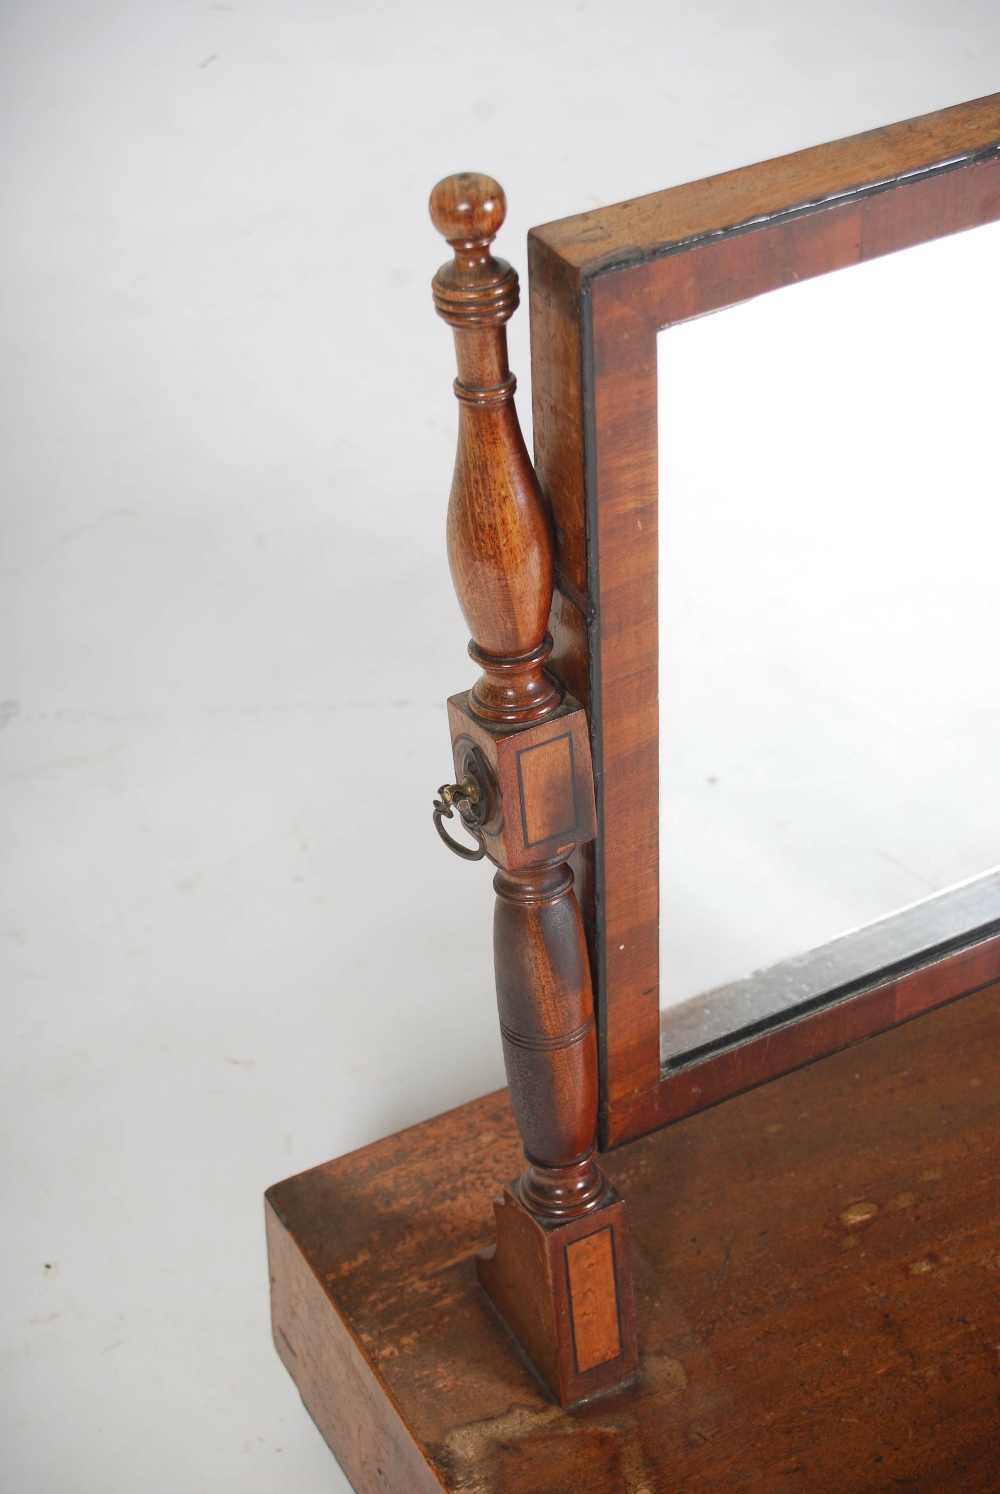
column 564, row 1290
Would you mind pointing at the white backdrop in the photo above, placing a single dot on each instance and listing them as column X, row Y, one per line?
column 233, row 946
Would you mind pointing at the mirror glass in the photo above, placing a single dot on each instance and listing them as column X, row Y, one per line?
column 829, row 610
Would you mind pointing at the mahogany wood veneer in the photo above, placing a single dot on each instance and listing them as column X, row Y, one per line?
column 817, row 1279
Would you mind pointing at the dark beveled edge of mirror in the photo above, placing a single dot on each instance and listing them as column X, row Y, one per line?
column 602, row 285
column 883, row 950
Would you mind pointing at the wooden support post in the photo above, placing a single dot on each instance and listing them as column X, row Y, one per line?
column 559, row 1274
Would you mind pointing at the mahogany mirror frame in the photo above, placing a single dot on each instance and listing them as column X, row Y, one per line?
column 602, row 285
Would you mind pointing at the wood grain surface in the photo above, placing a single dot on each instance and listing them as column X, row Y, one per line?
column 588, row 242
column 817, row 1273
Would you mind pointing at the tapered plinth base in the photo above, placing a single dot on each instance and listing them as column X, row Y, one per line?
column 565, row 1292
column 817, row 1291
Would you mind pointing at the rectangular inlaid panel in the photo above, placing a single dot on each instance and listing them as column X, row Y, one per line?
column 548, row 800
column 593, row 1299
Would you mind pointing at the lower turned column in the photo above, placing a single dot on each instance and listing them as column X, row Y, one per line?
column 560, row 1274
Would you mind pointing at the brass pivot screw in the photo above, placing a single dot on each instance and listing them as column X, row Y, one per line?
column 454, row 794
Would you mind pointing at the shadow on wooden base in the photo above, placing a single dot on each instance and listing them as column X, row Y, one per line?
column 564, row 1289
column 817, row 1292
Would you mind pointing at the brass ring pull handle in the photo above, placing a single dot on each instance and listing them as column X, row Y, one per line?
column 466, row 797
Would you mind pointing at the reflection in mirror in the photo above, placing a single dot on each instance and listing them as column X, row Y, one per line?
column 829, row 624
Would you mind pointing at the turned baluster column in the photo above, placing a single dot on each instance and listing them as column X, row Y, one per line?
column 499, row 537
column 501, row 555
column 525, row 789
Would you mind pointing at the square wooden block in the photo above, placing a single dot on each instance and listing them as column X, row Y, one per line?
column 545, row 780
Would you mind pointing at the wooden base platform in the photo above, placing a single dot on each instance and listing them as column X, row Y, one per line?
column 817, row 1282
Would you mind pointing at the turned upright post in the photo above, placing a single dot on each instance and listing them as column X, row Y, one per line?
column 559, row 1273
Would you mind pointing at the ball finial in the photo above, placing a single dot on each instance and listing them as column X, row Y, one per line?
column 468, row 208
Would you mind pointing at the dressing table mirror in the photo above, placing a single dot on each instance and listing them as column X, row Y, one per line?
column 731, row 755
